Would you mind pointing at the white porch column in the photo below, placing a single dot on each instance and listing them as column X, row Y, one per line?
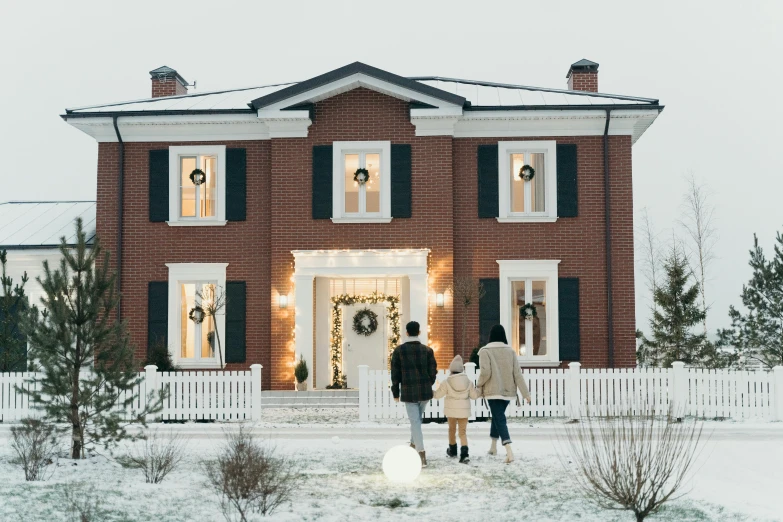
column 419, row 303
column 303, row 310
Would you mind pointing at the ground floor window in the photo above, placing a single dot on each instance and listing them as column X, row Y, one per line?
column 197, row 336
column 530, row 324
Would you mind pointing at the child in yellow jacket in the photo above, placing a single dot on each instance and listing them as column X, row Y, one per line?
column 458, row 389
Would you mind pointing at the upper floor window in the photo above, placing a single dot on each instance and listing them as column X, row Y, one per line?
column 197, row 185
column 526, row 197
column 362, row 184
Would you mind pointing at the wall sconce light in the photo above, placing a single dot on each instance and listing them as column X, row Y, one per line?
column 282, row 301
column 440, row 300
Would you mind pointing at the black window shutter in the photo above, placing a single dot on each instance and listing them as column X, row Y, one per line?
column 489, row 308
column 236, row 184
column 567, row 196
column 322, row 182
column 159, row 185
column 236, row 298
column 157, row 314
column 488, row 206
column 568, row 307
column 401, row 181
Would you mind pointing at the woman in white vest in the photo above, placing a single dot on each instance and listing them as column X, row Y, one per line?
column 498, row 382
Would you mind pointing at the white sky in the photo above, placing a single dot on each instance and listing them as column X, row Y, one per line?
column 715, row 65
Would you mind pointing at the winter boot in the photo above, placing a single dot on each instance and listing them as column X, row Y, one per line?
column 452, row 451
column 493, row 450
column 464, row 458
column 423, row 457
column 509, row 453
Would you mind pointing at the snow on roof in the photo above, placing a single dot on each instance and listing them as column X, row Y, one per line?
column 39, row 224
column 478, row 94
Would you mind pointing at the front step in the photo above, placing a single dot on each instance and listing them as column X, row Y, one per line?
column 310, row 399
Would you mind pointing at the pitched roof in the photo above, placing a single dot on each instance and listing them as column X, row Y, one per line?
column 472, row 94
column 41, row 224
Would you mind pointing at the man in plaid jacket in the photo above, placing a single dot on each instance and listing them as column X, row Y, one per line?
column 413, row 372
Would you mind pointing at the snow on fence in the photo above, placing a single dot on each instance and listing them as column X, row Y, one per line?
column 576, row 392
column 189, row 395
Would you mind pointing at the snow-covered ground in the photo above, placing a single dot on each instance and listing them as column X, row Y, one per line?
column 740, row 476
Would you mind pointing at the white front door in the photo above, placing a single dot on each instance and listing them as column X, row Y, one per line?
column 359, row 349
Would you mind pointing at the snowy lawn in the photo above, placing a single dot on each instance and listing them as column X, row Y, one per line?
column 739, row 478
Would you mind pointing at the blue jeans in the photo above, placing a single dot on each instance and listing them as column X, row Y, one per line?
column 499, row 428
column 415, row 413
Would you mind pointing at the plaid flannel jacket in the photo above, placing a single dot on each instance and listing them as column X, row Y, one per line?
column 413, row 372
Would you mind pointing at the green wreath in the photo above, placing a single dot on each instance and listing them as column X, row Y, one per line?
column 359, row 325
column 361, row 176
column 202, row 179
column 528, row 311
column 527, row 172
column 192, row 314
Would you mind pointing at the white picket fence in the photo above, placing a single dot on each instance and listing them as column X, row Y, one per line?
column 191, row 395
column 577, row 392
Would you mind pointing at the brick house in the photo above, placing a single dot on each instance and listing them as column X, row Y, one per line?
column 359, row 196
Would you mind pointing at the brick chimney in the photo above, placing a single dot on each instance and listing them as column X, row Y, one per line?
column 583, row 76
column 167, row 82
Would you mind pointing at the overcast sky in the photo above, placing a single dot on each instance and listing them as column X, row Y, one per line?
column 715, row 65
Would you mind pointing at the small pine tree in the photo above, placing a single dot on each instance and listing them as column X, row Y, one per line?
column 13, row 306
column 676, row 313
column 758, row 334
column 86, row 363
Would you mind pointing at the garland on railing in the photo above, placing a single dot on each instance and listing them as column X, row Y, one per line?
column 393, row 314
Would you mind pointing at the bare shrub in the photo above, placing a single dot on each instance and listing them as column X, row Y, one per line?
column 633, row 462
column 158, row 455
column 250, row 477
column 36, row 447
column 81, row 504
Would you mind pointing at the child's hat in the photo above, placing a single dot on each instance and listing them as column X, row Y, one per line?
column 456, row 365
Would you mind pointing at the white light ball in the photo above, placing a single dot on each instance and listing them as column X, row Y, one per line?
column 402, row 464
column 335, row 440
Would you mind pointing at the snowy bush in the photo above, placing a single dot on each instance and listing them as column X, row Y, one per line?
column 250, row 477
column 158, row 456
column 35, row 445
column 635, row 462
column 81, row 504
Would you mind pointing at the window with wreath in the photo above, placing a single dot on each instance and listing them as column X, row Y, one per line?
column 527, row 184
column 362, row 187
column 197, row 185
column 530, row 317
column 197, row 331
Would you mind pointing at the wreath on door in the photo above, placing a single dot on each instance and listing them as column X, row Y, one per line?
column 365, row 322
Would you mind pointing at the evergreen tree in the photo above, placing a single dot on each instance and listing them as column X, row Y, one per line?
column 676, row 313
column 86, row 363
column 758, row 334
column 13, row 306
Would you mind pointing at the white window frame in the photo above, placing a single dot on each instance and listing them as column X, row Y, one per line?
column 339, row 150
column 180, row 273
column 540, row 270
column 175, row 198
column 505, row 150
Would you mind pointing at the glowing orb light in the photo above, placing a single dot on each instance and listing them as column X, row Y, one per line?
column 402, row 464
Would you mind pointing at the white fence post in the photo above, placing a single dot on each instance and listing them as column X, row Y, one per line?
column 255, row 391
column 678, row 397
column 777, row 393
column 152, row 388
column 364, row 393
column 573, row 399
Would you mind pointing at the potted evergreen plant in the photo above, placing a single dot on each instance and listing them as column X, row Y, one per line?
column 301, row 373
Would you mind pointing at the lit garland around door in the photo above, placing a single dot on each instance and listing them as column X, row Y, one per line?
column 338, row 301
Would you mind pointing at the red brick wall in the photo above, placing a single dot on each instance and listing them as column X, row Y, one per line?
column 583, row 81
column 578, row 242
column 167, row 87
column 444, row 220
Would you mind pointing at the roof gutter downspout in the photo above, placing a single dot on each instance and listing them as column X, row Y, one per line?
column 608, row 236
column 120, row 176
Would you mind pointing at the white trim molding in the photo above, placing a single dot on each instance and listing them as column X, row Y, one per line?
column 505, row 149
column 546, row 270
column 339, row 150
column 187, row 272
column 175, row 199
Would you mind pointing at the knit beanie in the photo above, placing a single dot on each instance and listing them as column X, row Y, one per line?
column 498, row 334
column 456, row 365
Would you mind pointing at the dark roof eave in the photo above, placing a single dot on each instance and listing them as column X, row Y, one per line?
column 356, row 68
column 90, row 242
column 155, row 113
column 642, row 106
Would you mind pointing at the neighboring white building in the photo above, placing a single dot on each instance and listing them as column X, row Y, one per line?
column 30, row 232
